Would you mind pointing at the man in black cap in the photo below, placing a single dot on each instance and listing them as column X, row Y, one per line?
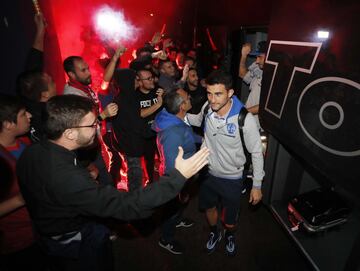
column 253, row 76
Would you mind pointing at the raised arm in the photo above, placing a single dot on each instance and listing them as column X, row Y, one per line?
column 245, row 51
column 110, row 68
column 145, row 112
column 253, row 109
column 34, row 61
column 185, row 73
column 41, row 24
column 155, row 39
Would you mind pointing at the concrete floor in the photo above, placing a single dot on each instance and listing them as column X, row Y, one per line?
column 262, row 245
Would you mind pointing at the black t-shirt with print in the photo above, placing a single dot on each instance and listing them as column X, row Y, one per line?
column 145, row 101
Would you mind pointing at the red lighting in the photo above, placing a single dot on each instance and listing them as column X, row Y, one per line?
column 213, row 46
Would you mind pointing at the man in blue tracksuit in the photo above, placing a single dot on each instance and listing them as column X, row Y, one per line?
column 173, row 131
column 223, row 186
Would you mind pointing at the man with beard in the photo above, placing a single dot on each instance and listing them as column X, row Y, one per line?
column 79, row 80
column 70, row 201
column 150, row 100
column 197, row 94
column 196, row 91
column 222, row 188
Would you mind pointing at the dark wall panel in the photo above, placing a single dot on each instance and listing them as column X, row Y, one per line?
column 310, row 96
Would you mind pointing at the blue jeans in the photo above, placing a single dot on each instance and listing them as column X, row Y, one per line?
column 173, row 214
column 92, row 252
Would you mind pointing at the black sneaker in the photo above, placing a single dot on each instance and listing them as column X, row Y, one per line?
column 173, row 247
column 212, row 243
column 230, row 246
column 185, row 223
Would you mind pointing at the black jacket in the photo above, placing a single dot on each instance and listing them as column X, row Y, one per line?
column 38, row 113
column 129, row 127
column 61, row 196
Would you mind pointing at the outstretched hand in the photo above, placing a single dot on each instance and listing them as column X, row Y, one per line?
column 189, row 167
column 120, row 51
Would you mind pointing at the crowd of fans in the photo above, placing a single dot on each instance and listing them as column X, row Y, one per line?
column 140, row 114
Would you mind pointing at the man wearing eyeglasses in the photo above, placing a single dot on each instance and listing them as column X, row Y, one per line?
column 62, row 199
column 79, row 84
column 150, row 101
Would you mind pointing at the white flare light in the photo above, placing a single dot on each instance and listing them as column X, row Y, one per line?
column 323, row 34
column 112, row 26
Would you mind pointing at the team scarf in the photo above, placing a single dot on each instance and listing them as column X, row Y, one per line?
column 86, row 89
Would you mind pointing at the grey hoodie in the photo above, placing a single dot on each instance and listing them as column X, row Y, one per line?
column 227, row 157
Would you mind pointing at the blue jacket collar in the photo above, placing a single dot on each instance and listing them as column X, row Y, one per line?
column 164, row 120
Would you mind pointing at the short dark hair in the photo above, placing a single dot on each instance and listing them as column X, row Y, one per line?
column 10, row 106
column 192, row 69
column 172, row 101
column 172, row 49
column 64, row 112
column 162, row 62
column 189, row 58
column 219, row 77
column 191, row 49
column 143, row 70
column 261, row 47
column 69, row 63
column 140, row 63
column 31, row 85
column 141, row 50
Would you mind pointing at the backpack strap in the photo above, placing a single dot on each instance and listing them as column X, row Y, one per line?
column 206, row 109
column 205, row 112
column 241, row 121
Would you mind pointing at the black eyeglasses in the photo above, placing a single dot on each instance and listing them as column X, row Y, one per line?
column 149, row 78
column 94, row 125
